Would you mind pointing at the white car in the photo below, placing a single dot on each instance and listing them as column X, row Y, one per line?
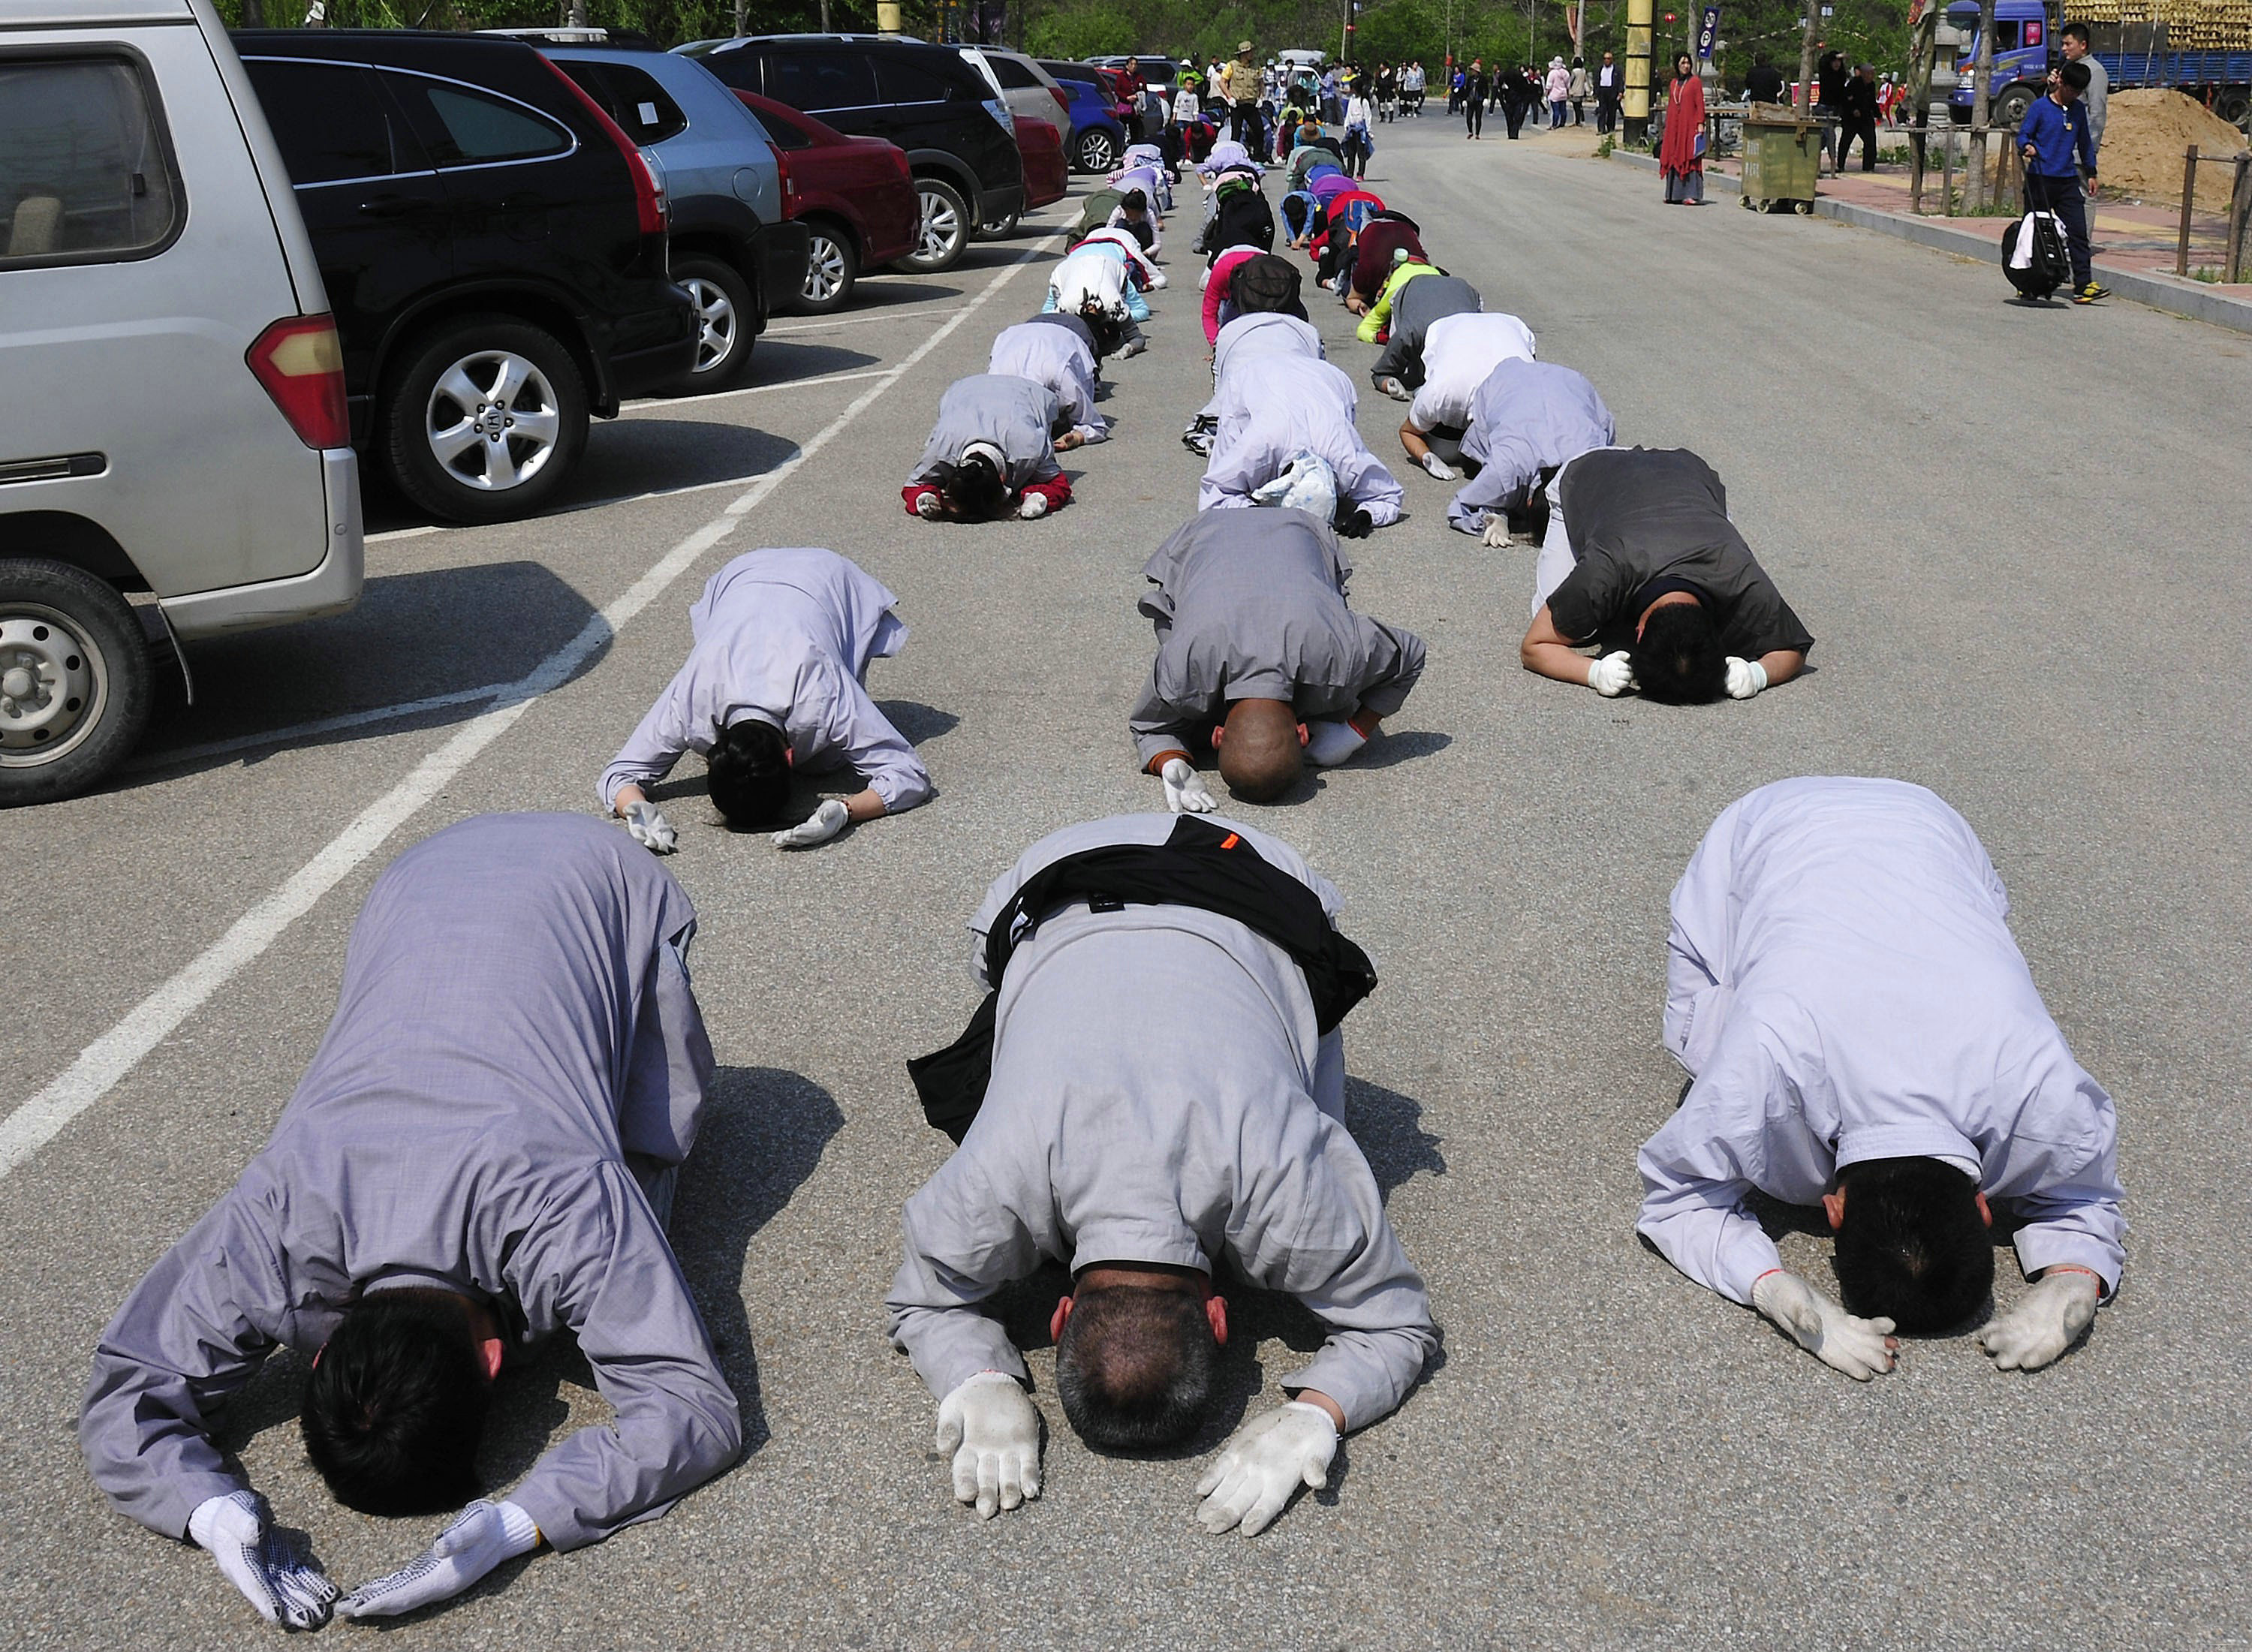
column 173, row 422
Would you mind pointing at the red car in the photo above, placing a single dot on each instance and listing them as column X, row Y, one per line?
column 1047, row 175
column 855, row 194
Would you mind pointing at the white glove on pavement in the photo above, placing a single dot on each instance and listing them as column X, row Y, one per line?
column 1032, row 507
column 1611, row 676
column 1858, row 1347
column 1186, row 792
column 825, row 824
column 2047, row 1323
column 990, row 1425
column 1394, row 388
column 929, row 506
column 1331, row 741
column 1497, row 530
column 483, row 1535
column 1439, row 468
column 1745, row 678
column 274, row 1575
column 1269, row 1458
column 650, row 830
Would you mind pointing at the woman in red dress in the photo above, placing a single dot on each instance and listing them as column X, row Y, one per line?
column 1682, row 155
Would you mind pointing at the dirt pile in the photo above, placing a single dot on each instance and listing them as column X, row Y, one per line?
column 2143, row 136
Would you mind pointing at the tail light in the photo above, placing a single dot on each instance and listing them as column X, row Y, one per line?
column 649, row 201
column 1062, row 98
column 301, row 362
column 789, row 183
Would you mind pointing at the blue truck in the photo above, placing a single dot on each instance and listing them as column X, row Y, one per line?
column 2199, row 49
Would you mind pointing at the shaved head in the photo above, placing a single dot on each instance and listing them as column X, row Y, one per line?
column 1260, row 757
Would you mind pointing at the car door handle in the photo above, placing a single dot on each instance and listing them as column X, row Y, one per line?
column 393, row 205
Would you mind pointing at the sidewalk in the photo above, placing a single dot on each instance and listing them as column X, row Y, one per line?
column 2135, row 244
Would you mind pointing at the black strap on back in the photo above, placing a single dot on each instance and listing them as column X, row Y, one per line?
column 1201, row 866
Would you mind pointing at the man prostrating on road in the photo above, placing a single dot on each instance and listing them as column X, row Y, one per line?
column 1862, row 1031
column 1089, row 1138
column 484, row 1151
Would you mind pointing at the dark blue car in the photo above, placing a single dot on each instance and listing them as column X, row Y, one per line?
column 1097, row 140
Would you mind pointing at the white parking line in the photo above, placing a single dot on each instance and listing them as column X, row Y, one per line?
column 756, row 390
column 298, row 731
column 109, row 1059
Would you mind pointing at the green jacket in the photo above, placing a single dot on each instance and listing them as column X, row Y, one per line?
column 1379, row 313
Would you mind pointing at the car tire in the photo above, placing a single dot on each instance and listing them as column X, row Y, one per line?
column 832, row 268
column 75, row 681
column 1096, row 152
column 944, row 232
column 456, row 452
column 2012, row 106
column 1000, row 229
column 726, row 312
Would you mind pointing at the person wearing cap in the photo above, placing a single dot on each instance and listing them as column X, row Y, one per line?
column 1084, row 1141
column 991, row 453
column 482, row 1154
column 1256, row 638
column 1241, row 85
column 1861, row 1032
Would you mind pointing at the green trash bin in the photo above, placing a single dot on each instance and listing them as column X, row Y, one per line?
column 1782, row 161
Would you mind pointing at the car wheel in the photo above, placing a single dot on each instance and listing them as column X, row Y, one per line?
column 726, row 310
column 2011, row 109
column 488, row 420
column 74, row 680
column 945, row 229
column 832, row 267
column 999, row 229
column 1096, row 152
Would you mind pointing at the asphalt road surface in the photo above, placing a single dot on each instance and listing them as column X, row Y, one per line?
column 2019, row 537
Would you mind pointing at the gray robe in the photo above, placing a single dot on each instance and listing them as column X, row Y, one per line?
column 1528, row 417
column 1218, row 1136
column 1015, row 414
column 1420, row 303
column 1251, row 604
column 516, row 1062
column 1057, row 352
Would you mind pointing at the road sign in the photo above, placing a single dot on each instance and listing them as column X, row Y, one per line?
column 1708, row 32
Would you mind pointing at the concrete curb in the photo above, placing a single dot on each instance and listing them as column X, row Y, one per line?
column 2175, row 296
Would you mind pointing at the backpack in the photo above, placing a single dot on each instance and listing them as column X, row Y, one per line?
column 1266, row 284
column 1243, row 218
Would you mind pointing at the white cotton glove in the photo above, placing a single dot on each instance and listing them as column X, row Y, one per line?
column 483, row 1535
column 1394, row 388
column 990, row 1425
column 1821, row 1328
column 1745, row 678
column 929, row 506
column 1032, row 506
column 1331, row 741
column 274, row 1575
column 1497, row 530
column 1611, row 676
column 650, row 830
column 2047, row 1323
column 823, row 824
column 1439, row 468
column 1186, row 792
column 1269, row 1458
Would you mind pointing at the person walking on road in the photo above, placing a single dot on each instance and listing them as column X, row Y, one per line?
column 1681, row 156
column 1610, row 82
column 1476, row 90
column 1577, row 90
column 1556, row 87
column 1516, row 94
column 1829, row 102
column 2059, row 152
column 1359, row 141
column 1857, row 119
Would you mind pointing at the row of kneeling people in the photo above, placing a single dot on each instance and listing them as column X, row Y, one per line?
column 485, row 1147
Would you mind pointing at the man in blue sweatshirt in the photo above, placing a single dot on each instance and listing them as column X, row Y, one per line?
column 2059, row 152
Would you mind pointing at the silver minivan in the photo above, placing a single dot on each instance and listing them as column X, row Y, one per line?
column 171, row 390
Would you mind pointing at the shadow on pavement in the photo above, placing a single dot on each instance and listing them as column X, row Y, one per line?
column 762, row 1139
column 414, row 637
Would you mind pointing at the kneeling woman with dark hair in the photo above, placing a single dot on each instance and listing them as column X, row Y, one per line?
column 775, row 684
column 991, row 453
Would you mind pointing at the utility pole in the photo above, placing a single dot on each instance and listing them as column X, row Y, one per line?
column 574, row 14
column 1637, row 109
column 1981, row 81
column 742, row 17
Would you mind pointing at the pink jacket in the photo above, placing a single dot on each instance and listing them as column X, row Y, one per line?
column 1215, row 290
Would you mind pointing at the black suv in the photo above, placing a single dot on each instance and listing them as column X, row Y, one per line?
column 493, row 247
column 960, row 139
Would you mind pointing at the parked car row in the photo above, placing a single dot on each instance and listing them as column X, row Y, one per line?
column 436, row 256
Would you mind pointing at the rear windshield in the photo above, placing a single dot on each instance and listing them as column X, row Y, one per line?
column 632, row 98
column 787, row 135
column 86, row 176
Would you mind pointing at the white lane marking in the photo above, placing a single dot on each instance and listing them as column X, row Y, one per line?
column 109, row 1059
column 755, row 389
column 407, row 533
column 897, row 312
